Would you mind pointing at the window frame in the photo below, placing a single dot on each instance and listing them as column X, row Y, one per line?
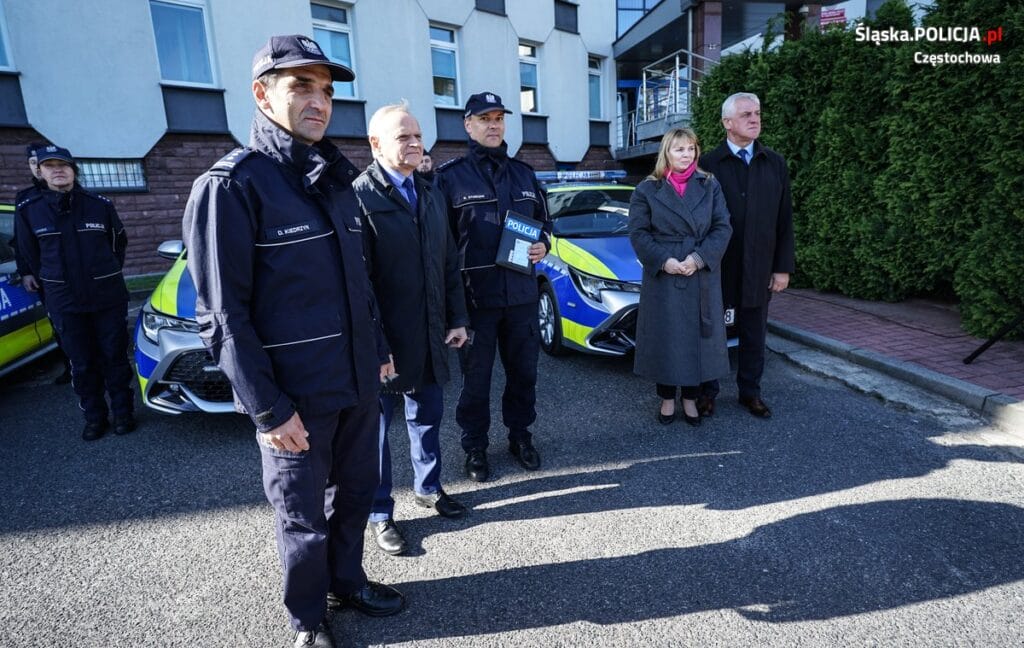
column 5, row 42
column 211, row 52
column 340, row 28
column 534, row 60
column 452, row 46
column 140, row 187
column 566, row 5
column 599, row 73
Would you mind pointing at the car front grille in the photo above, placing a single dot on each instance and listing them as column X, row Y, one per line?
column 196, row 371
column 619, row 336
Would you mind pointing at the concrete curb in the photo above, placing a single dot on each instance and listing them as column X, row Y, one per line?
column 1002, row 410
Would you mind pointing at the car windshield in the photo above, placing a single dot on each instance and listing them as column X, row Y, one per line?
column 589, row 213
column 6, row 232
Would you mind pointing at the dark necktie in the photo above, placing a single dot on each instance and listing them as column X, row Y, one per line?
column 743, row 153
column 410, row 193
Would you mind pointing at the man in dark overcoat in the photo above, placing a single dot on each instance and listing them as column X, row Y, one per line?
column 759, row 259
column 414, row 267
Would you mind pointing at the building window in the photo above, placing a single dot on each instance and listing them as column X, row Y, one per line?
column 528, row 100
column 628, row 12
column 181, row 42
column 5, row 59
column 444, row 59
column 331, row 29
column 594, row 87
column 110, row 174
column 491, row 6
column 565, row 17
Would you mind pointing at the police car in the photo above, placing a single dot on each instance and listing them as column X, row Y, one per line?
column 25, row 331
column 590, row 281
column 175, row 372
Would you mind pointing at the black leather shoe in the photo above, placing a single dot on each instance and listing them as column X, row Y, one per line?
column 757, row 407
column 319, row 638
column 124, row 425
column 666, row 419
column 706, row 405
column 477, row 468
column 93, row 431
column 372, row 599
column 388, row 537
column 442, row 503
column 525, row 454
column 692, row 421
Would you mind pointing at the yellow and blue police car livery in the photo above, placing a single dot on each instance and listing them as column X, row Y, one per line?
column 175, row 372
column 590, row 280
column 25, row 331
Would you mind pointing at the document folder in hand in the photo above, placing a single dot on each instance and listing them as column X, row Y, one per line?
column 517, row 235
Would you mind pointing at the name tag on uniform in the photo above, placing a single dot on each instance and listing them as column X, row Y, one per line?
column 290, row 230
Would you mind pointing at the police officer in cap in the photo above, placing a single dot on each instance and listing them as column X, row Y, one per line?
column 284, row 304
column 28, row 280
column 480, row 188
column 73, row 244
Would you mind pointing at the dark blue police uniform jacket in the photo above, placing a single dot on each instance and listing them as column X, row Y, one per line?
column 283, row 302
column 480, row 188
column 74, row 244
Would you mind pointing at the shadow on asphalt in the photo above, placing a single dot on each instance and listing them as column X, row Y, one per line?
column 908, row 559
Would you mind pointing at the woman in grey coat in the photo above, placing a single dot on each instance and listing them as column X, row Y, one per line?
column 679, row 227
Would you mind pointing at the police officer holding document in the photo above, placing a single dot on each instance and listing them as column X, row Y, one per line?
column 72, row 243
column 285, row 306
column 497, row 212
column 414, row 266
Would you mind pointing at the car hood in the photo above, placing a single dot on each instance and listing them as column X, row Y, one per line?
column 610, row 257
column 175, row 295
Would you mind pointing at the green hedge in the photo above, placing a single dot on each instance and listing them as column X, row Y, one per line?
column 908, row 179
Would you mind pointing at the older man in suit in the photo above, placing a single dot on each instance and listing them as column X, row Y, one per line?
column 759, row 259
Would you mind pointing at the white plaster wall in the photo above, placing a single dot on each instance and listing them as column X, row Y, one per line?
column 392, row 43
column 239, row 28
column 533, row 20
column 489, row 61
column 452, row 12
column 564, row 99
column 90, row 78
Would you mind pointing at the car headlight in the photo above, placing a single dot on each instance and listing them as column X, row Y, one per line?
column 152, row 322
column 592, row 286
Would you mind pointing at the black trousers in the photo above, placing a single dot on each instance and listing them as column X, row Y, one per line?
column 513, row 332
column 96, row 343
column 321, row 501
column 668, row 392
column 752, row 330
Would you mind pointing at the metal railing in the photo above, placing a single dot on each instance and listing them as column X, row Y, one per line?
column 667, row 91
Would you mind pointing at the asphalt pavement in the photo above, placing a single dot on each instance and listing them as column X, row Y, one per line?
column 844, row 520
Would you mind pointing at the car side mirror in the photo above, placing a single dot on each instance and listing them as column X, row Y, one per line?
column 170, row 250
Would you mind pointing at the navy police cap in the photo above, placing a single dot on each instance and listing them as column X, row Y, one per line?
column 53, row 153
column 484, row 102
column 295, row 51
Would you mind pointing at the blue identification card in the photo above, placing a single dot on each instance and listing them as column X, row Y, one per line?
column 518, row 234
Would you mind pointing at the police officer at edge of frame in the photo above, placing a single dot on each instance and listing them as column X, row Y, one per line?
column 73, row 243
column 414, row 267
column 285, row 306
column 28, row 280
column 480, row 188
column 760, row 258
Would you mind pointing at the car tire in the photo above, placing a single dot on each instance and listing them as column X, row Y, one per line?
column 549, row 322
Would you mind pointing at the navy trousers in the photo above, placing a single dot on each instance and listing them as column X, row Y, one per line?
column 96, row 343
column 321, row 501
column 513, row 332
column 424, row 409
column 752, row 331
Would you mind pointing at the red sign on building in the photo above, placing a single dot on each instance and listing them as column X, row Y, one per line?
column 833, row 16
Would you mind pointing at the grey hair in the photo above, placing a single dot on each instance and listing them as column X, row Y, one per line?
column 374, row 127
column 269, row 79
column 729, row 105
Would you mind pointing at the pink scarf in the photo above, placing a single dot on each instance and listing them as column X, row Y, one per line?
column 678, row 178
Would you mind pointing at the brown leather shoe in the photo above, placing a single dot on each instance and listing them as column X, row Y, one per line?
column 705, row 405
column 757, row 407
